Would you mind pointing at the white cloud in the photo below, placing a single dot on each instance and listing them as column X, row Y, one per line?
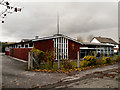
column 75, row 18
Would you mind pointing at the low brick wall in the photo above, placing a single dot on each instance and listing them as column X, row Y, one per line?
column 20, row 53
column 6, row 52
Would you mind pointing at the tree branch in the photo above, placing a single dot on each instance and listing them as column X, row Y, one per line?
column 1, row 1
column 3, row 12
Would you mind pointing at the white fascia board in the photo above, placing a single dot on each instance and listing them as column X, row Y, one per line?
column 42, row 39
column 100, row 44
column 74, row 40
column 71, row 39
column 52, row 37
column 90, row 48
column 109, row 44
column 83, row 47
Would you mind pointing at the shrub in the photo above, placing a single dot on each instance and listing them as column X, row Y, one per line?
column 46, row 58
column 49, row 58
column 116, row 58
column 67, row 64
column 38, row 54
column 106, row 60
column 84, row 63
column 91, row 60
column 103, row 60
column 99, row 61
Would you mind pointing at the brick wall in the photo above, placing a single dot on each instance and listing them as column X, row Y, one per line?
column 73, row 48
column 6, row 52
column 44, row 45
column 20, row 53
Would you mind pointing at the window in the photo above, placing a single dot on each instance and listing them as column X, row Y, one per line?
column 30, row 44
column 61, row 48
column 82, row 53
column 26, row 45
column 22, row 45
column 16, row 46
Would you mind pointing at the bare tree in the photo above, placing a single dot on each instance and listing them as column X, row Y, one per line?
column 90, row 37
column 7, row 9
column 79, row 38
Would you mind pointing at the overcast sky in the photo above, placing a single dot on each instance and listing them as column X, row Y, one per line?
column 76, row 19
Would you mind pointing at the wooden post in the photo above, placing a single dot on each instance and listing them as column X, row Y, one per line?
column 58, row 63
column 78, row 59
column 29, row 60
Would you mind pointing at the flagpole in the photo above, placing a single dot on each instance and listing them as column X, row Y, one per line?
column 57, row 22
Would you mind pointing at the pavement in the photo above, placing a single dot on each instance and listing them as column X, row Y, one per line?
column 0, row 71
column 101, row 77
column 15, row 76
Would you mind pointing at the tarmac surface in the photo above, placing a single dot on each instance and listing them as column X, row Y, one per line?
column 101, row 77
column 15, row 76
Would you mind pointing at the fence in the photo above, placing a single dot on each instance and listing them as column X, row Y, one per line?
column 32, row 61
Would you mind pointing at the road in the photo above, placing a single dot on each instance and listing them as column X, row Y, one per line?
column 101, row 77
column 15, row 76
column 0, row 71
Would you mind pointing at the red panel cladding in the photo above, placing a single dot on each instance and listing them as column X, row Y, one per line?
column 73, row 48
column 44, row 45
column 6, row 52
column 20, row 53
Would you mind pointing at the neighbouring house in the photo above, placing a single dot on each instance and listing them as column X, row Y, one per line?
column 64, row 47
column 25, row 40
column 107, row 41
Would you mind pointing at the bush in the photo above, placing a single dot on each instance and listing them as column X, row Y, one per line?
column 84, row 63
column 90, row 60
column 49, row 58
column 99, row 61
column 38, row 55
column 67, row 64
column 106, row 60
column 116, row 58
column 46, row 58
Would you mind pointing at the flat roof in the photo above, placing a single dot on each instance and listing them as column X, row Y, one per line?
column 100, row 44
column 47, row 38
column 61, row 35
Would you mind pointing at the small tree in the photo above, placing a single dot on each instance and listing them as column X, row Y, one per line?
column 90, row 37
column 38, row 55
column 49, row 58
column 3, row 45
column 79, row 39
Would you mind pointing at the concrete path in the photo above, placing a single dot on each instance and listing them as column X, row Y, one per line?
column 101, row 77
column 15, row 76
column 0, row 71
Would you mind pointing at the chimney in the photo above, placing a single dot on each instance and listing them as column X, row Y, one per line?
column 36, row 37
